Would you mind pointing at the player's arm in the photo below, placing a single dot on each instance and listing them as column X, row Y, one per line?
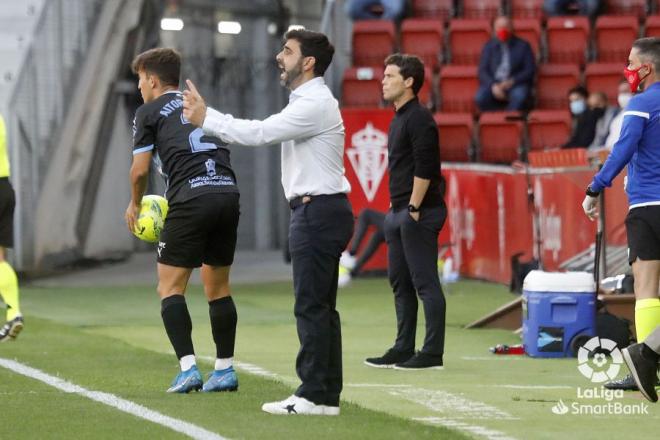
column 139, row 177
column 424, row 139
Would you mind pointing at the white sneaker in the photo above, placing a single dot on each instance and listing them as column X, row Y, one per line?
column 330, row 410
column 295, row 405
column 344, row 278
column 347, row 260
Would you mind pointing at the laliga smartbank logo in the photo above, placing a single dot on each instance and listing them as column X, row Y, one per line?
column 599, row 360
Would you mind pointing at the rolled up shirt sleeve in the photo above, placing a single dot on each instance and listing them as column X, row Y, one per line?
column 300, row 119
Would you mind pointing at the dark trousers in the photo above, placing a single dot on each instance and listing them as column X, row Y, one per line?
column 318, row 233
column 413, row 271
column 517, row 97
column 367, row 217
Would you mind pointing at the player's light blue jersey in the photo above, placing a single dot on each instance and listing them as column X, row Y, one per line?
column 639, row 147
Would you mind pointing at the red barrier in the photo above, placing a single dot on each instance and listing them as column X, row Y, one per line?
column 489, row 217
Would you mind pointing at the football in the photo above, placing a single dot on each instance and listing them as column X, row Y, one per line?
column 151, row 218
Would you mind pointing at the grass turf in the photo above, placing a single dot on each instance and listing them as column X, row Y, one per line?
column 112, row 340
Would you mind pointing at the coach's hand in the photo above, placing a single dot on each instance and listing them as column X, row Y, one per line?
column 131, row 216
column 194, row 107
column 590, row 206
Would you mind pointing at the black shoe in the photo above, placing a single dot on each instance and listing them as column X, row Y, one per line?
column 389, row 359
column 627, row 383
column 11, row 329
column 643, row 365
column 421, row 361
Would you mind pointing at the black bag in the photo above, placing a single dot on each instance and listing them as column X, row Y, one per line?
column 519, row 271
column 613, row 327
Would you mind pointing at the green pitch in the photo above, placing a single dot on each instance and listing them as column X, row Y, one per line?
column 112, row 340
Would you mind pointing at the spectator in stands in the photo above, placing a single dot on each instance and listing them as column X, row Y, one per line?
column 584, row 119
column 615, row 126
column 350, row 264
column 568, row 7
column 506, row 70
column 375, row 9
column 605, row 113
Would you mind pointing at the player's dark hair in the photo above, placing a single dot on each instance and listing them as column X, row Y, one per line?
column 649, row 49
column 580, row 90
column 410, row 66
column 313, row 44
column 163, row 62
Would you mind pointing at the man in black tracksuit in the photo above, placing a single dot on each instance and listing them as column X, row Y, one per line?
column 415, row 219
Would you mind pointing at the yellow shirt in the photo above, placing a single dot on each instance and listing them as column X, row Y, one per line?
column 4, row 159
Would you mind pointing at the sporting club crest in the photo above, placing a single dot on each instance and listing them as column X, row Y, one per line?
column 368, row 156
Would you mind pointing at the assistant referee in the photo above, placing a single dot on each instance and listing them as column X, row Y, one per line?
column 311, row 131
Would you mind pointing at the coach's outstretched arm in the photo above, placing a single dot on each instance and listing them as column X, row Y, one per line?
column 297, row 120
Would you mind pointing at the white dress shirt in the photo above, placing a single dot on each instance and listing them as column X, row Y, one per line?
column 311, row 131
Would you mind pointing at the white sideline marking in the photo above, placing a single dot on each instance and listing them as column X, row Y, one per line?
column 490, row 434
column 535, row 387
column 456, row 408
column 492, row 358
column 124, row 405
column 376, row 385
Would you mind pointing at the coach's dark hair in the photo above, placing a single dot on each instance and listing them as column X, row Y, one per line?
column 580, row 90
column 410, row 66
column 649, row 49
column 163, row 62
column 313, row 44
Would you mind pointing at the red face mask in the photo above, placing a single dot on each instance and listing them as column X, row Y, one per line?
column 632, row 76
column 503, row 34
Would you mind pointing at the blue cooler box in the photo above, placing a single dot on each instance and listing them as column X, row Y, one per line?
column 559, row 312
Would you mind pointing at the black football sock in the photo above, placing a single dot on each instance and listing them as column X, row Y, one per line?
column 178, row 324
column 223, row 324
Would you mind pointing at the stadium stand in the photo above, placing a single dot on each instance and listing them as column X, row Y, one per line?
column 553, row 83
column 548, row 129
column 499, row 136
column 466, row 39
column 604, row 77
column 362, row 87
column 529, row 29
column 613, row 37
column 488, row 9
column 458, row 86
column 373, row 40
column 526, row 8
column 456, row 136
column 568, row 39
column 423, row 37
column 442, row 9
column 653, row 26
column 626, row 7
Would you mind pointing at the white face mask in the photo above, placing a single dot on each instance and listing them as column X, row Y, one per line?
column 623, row 99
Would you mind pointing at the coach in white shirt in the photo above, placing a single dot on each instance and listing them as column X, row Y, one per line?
column 311, row 131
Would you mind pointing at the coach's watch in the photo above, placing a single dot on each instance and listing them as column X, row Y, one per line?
column 591, row 193
column 413, row 208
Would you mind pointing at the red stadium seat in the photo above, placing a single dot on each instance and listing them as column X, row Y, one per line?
column 653, row 26
column 526, row 8
column 442, row 9
column 373, row 41
column 553, row 83
column 626, row 7
column 604, row 77
column 481, row 8
column 614, row 36
column 456, row 136
column 529, row 29
column 548, row 128
column 458, row 86
column 423, row 37
column 568, row 39
column 499, row 137
column 425, row 94
column 362, row 87
column 467, row 39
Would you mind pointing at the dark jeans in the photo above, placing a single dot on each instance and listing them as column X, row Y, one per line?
column 318, row 233
column 413, row 271
column 517, row 98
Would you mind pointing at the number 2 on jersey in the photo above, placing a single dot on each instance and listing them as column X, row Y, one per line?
column 196, row 144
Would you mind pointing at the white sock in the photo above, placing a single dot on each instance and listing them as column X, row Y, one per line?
column 187, row 362
column 223, row 364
